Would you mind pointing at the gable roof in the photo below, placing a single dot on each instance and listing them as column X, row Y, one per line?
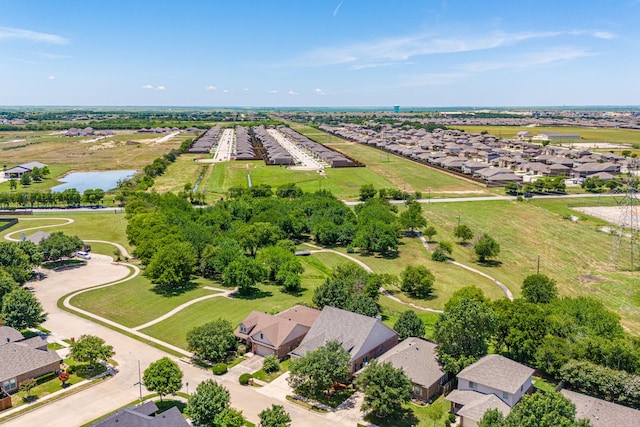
column 141, row 416
column 277, row 329
column 602, row 413
column 417, row 358
column 38, row 236
column 8, row 334
column 475, row 404
column 497, row 372
column 32, row 165
column 356, row 333
column 20, row 357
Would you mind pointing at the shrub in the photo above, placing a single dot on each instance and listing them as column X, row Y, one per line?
column 244, row 379
column 270, row 364
column 219, row 368
column 439, row 255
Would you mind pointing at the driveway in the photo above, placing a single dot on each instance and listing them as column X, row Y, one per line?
column 84, row 406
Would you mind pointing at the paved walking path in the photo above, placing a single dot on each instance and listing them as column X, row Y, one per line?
column 221, row 293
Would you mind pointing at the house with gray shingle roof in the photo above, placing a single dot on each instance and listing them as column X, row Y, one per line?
column 418, row 359
column 23, row 358
column 493, row 382
column 363, row 337
column 601, row 413
column 144, row 416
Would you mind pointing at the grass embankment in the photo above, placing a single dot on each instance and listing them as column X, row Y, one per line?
column 184, row 170
column 574, row 254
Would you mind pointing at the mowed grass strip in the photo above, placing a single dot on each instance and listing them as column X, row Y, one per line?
column 133, row 303
column 184, row 170
column 271, row 299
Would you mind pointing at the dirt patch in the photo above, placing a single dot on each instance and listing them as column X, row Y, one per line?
column 588, row 278
column 611, row 214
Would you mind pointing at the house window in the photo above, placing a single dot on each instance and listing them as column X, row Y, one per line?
column 505, row 395
column 10, row 385
column 242, row 329
column 473, row 385
column 261, row 336
column 417, row 391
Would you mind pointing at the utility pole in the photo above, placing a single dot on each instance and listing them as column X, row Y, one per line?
column 139, row 383
column 538, row 271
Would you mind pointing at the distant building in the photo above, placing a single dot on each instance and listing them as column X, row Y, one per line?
column 16, row 172
column 554, row 136
column 396, row 108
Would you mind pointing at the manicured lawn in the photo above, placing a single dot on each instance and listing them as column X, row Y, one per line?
column 391, row 311
column 134, row 302
column 268, row 377
column 541, row 384
column 416, row 416
column 183, row 170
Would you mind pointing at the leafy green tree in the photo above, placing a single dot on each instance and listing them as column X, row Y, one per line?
column 25, row 179
column 385, row 388
column 367, row 191
column 543, row 409
column 417, row 281
column 15, row 262
column 59, row 245
column 214, row 259
column 486, row 247
column 552, row 353
column 467, row 292
column 28, row 385
column 463, row 332
column 13, row 184
column 318, row 370
column 208, row 403
column 244, row 273
column 258, row 235
column 230, row 418
column 33, row 251
column 412, row 218
column 539, row 289
column 429, row 232
column 275, row 416
column 90, row 349
column 363, row 305
column 409, row 325
column 172, row 266
column 212, row 341
column 270, row 364
column 163, row 376
column 463, row 233
column 21, row 310
column 7, row 284
column 492, row 418
column 520, row 328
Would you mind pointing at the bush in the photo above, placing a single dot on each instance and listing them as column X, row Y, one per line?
column 452, row 418
column 244, row 379
column 439, row 255
column 270, row 364
column 219, row 368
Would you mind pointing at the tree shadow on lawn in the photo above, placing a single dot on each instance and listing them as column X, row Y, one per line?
column 174, row 290
column 403, row 418
column 490, row 263
column 256, row 294
column 163, row 405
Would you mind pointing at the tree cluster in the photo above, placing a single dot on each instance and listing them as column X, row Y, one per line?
column 70, row 198
column 209, row 406
column 318, row 370
column 213, row 341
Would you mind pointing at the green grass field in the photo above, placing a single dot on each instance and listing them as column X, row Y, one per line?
column 622, row 136
column 183, row 170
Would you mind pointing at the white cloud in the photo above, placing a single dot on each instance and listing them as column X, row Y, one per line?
column 151, row 87
column 318, row 91
column 210, row 87
column 291, row 92
column 337, row 9
column 226, row 91
column 7, row 33
column 273, row 91
column 395, row 50
column 52, row 77
column 603, row 35
column 246, row 89
column 523, row 61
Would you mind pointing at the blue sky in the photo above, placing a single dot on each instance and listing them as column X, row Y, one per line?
column 320, row 53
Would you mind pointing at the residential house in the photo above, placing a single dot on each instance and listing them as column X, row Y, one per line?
column 586, row 169
column 23, row 358
column 16, row 172
column 523, row 135
column 555, row 136
column 363, row 337
column 493, row 382
column 418, row 359
column 145, row 415
column 268, row 334
column 601, row 413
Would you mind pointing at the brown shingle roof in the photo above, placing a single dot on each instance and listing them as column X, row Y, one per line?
column 417, row 358
column 602, row 413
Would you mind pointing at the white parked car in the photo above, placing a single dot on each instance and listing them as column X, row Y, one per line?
column 83, row 255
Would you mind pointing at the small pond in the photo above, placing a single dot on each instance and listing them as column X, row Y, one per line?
column 91, row 180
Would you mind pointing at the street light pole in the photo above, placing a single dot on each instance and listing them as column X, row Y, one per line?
column 139, row 383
